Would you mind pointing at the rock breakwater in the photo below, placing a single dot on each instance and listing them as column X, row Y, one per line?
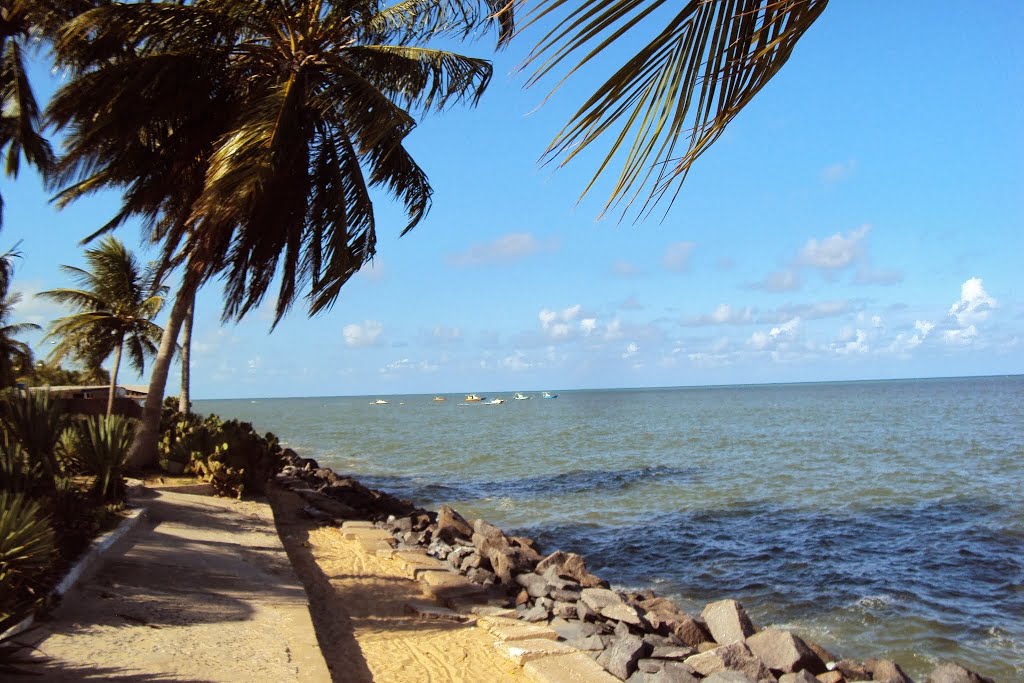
column 633, row 636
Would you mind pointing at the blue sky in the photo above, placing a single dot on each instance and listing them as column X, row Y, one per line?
column 860, row 219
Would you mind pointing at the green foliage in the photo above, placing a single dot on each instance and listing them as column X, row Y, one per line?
column 16, row 475
column 36, row 424
column 27, row 550
column 105, row 440
column 55, row 375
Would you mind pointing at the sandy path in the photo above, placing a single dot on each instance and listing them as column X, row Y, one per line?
column 358, row 604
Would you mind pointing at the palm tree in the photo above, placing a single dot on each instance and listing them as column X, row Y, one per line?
column 15, row 355
column 185, row 397
column 249, row 135
column 117, row 302
column 707, row 63
column 22, row 24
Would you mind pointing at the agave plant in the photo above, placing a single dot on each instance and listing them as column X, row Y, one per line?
column 27, row 549
column 16, row 474
column 36, row 424
column 104, row 449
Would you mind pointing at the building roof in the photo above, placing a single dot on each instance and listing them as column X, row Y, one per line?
column 130, row 390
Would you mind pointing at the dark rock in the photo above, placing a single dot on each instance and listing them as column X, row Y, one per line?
column 671, row 672
column 535, row 613
column 852, row 670
column 727, row 621
column 486, row 535
column 572, row 630
column 730, row 677
column 565, row 594
column 507, row 562
column 289, row 456
column 458, row 554
column 332, row 507
column 481, row 576
column 672, row 652
column 650, row 666
column 317, row 515
column 735, row 656
column 887, row 671
column 308, row 464
column 621, row 656
column 529, row 547
column 571, row 566
column 584, row 613
column 655, row 640
column 566, row 610
column 589, row 644
column 452, row 527
column 784, row 652
column 400, row 524
column 823, row 654
column 325, row 474
column 952, row 672
column 557, row 582
column 535, row 585
column 690, row 631
column 798, row 677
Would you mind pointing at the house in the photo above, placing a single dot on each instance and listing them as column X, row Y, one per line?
column 92, row 399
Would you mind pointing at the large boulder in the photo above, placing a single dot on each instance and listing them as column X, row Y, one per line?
column 727, row 621
column 798, row 677
column 452, row 527
column 784, row 652
column 853, row 670
column 570, row 566
column 621, row 656
column 887, row 671
column 610, row 605
column 507, row 562
column 536, row 586
column 733, row 657
column 952, row 672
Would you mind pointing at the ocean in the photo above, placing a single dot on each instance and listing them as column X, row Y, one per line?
column 879, row 518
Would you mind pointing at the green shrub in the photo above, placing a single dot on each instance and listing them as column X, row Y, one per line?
column 241, row 462
column 105, row 441
column 16, row 475
column 36, row 424
column 27, row 550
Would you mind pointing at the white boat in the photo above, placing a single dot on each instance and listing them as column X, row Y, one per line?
column 548, row 394
column 521, row 397
column 379, row 402
column 495, row 401
column 473, row 398
column 440, row 398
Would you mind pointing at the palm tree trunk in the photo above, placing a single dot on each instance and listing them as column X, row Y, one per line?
column 113, row 375
column 184, row 402
column 144, row 451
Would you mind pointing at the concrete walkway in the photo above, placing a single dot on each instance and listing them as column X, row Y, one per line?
column 201, row 590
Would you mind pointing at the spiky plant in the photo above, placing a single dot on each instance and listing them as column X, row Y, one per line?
column 27, row 549
column 105, row 440
column 35, row 423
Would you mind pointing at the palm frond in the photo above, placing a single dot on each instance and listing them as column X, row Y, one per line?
column 415, row 20
column 688, row 83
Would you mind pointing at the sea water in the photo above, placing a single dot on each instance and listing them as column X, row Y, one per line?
column 881, row 519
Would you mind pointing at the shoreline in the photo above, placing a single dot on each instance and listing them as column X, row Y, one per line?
column 633, row 635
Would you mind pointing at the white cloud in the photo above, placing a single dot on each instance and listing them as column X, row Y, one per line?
column 834, row 252
column 859, row 344
column 724, row 314
column 813, row 311
column 840, row 170
column 869, row 276
column 960, row 337
column 445, row 336
column 677, row 256
column 33, row 309
column 774, row 337
column 904, row 343
column 588, row 325
column 505, row 249
column 613, row 330
column 625, row 269
column 515, row 362
column 779, row 281
column 365, row 334
column 974, row 305
column 255, row 363
column 374, row 271
column 631, row 350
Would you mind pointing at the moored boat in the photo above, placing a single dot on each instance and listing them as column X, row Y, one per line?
column 379, row 402
column 473, row 398
column 440, row 398
column 521, row 397
column 495, row 401
column 548, row 394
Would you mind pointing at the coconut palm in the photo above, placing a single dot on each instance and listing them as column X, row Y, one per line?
column 24, row 24
column 116, row 303
column 669, row 102
column 249, row 135
column 15, row 355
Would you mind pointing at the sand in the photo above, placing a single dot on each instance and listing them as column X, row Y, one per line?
column 358, row 602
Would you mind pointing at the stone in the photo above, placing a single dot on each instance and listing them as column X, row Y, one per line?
column 584, row 613
column 566, row 610
column 508, row 562
column 784, row 652
column 951, row 672
column 571, row 668
column 452, row 527
column 831, row 677
column 481, row 576
column 621, row 612
column 572, row 630
column 556, row 582
column 690, row 631
column 592, row 643
column 599, row 598
column 535, row 585
column 528, row 546
column 729, row 677
column 535, row 613
column 565, row 594
column 457, row 555
column 621, row 657
column 887, row 671
column 571, row 566
column 523, row 651
column 853, row 670
column 650, row 666
column 513, row 629
column 400, row 525
column 798, row 677
column 522, row 597
column 471, row 561
column 672, row 652
column 823, row 654
column 727, row 621
column 329, row 505
column 734, row 656
column 317, row 515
